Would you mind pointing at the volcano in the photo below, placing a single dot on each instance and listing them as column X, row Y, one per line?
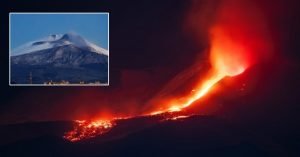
column 58, row 57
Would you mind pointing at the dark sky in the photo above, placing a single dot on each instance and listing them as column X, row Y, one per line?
column 149, row 45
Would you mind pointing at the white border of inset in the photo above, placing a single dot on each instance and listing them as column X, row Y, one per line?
column 55, row 85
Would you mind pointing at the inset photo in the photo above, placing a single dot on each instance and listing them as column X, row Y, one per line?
column 59, row 49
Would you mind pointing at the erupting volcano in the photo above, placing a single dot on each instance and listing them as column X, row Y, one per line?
column 234, row 45
column 221, row 68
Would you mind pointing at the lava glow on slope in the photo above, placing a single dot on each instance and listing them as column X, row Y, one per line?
column 88, row 129
column 233, row 41
column 224, row 64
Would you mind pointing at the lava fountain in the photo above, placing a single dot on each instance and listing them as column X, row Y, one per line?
column 227, row 59
column 237, row 40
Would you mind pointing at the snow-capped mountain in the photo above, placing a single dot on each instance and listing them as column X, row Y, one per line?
column 59, row 57
column 57, row 40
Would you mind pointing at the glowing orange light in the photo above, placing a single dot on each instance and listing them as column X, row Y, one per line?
column 174, row 108
column 229, row 56
column 179, row 117
column 156, row 112
column 198, row 92
column 227, row 59
column 88, row 129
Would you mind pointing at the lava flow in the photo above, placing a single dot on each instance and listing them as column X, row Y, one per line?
column 88, row 129
column 85, row 130
column 233, row 41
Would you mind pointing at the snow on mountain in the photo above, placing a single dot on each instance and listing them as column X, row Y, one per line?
column 57, row 40
column 60, row 57
column 96, row 48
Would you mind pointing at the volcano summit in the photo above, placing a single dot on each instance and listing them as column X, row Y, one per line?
column 59, row 59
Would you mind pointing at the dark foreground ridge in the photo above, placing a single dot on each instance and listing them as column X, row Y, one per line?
column 142, row 136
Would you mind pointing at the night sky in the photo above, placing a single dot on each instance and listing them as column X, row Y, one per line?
column 150, row 42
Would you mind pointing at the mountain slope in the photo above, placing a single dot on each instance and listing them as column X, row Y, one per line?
column 57, row 40
column 66, row 57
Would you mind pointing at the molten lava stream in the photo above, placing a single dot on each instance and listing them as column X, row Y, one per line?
column 199, row 91
column 88, row 129
column 222, row 67
column 228, row 56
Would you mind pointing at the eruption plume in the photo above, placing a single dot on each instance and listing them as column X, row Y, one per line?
column 237, row 39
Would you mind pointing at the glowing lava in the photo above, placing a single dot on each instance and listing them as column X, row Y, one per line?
column 234, row 37
column 227, row 59
column 88, row 129
column 179, row 117
column 228, row 56
column 199, row 91
column 85, row 130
